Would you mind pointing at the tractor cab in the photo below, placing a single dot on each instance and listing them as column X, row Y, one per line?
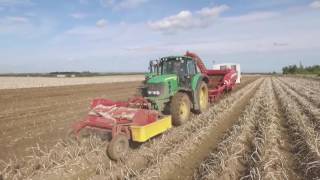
column 184, row 68
column 167, row 76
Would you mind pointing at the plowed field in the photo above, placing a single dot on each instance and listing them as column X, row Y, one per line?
column 267, row 128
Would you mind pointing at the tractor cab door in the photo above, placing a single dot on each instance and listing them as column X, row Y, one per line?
column 189, row 72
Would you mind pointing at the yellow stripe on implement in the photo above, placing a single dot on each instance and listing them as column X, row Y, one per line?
column 143, row 133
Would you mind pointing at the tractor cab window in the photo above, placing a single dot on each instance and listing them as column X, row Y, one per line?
column 173, row 67
column 192, row 70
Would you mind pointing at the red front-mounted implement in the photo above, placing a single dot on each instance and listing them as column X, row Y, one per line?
column 125, row 121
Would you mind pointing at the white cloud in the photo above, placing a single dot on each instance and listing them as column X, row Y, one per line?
column 10, row 3
column 253, row 16
column 122, row 4
column 182, row 20
column 79, row 15
column 101, row 23
column 315, row 4
column 186, row 19
column 212, row 12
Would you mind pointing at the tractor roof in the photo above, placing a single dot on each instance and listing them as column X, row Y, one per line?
column 174, row 57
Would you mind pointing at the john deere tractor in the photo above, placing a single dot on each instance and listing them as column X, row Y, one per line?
column 176, row 86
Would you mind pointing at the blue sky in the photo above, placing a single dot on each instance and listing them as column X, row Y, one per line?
column 123, row 35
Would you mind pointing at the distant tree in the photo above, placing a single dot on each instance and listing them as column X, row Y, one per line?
column 293, row 69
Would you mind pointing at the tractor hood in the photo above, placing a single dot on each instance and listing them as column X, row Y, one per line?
column 162, row 78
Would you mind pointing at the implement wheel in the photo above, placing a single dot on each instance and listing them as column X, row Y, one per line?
column 203, row 97
column 180, row 108
column 118, row 147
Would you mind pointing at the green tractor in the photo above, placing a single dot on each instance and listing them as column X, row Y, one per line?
column 175, row 85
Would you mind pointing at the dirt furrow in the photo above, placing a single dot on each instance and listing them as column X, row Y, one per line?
column 303, row 90
column 257, row 147
column 302, row 134
column 230, row 159
column 271, row 158
column 306, row 82
column 309, row 109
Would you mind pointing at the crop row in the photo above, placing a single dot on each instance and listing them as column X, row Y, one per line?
column 306, row 88
column 306, row 139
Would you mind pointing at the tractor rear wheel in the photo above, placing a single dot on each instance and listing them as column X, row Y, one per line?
column 203, row 97
column 180, row 108
column 118, row 147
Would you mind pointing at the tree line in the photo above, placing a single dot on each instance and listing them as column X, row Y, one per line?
column 294, row 69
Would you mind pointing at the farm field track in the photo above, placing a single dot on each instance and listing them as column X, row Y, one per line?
column 267, row 128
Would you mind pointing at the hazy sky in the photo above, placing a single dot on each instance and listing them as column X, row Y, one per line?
column 123, row 35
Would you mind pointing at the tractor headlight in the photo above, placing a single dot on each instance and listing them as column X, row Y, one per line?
column 155, row 89
column 157, row 93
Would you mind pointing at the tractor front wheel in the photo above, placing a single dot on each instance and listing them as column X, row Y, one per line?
column 180, row 108
column 118, row 147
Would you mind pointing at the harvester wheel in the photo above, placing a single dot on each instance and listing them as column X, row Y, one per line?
column 118, row 147
column 180, row 108
column 203, row 97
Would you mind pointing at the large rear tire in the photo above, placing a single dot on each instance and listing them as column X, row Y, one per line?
column 180, row 108
column 203, row 97
column 118, row 147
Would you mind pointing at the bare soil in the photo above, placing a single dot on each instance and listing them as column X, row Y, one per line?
column 43, row 115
